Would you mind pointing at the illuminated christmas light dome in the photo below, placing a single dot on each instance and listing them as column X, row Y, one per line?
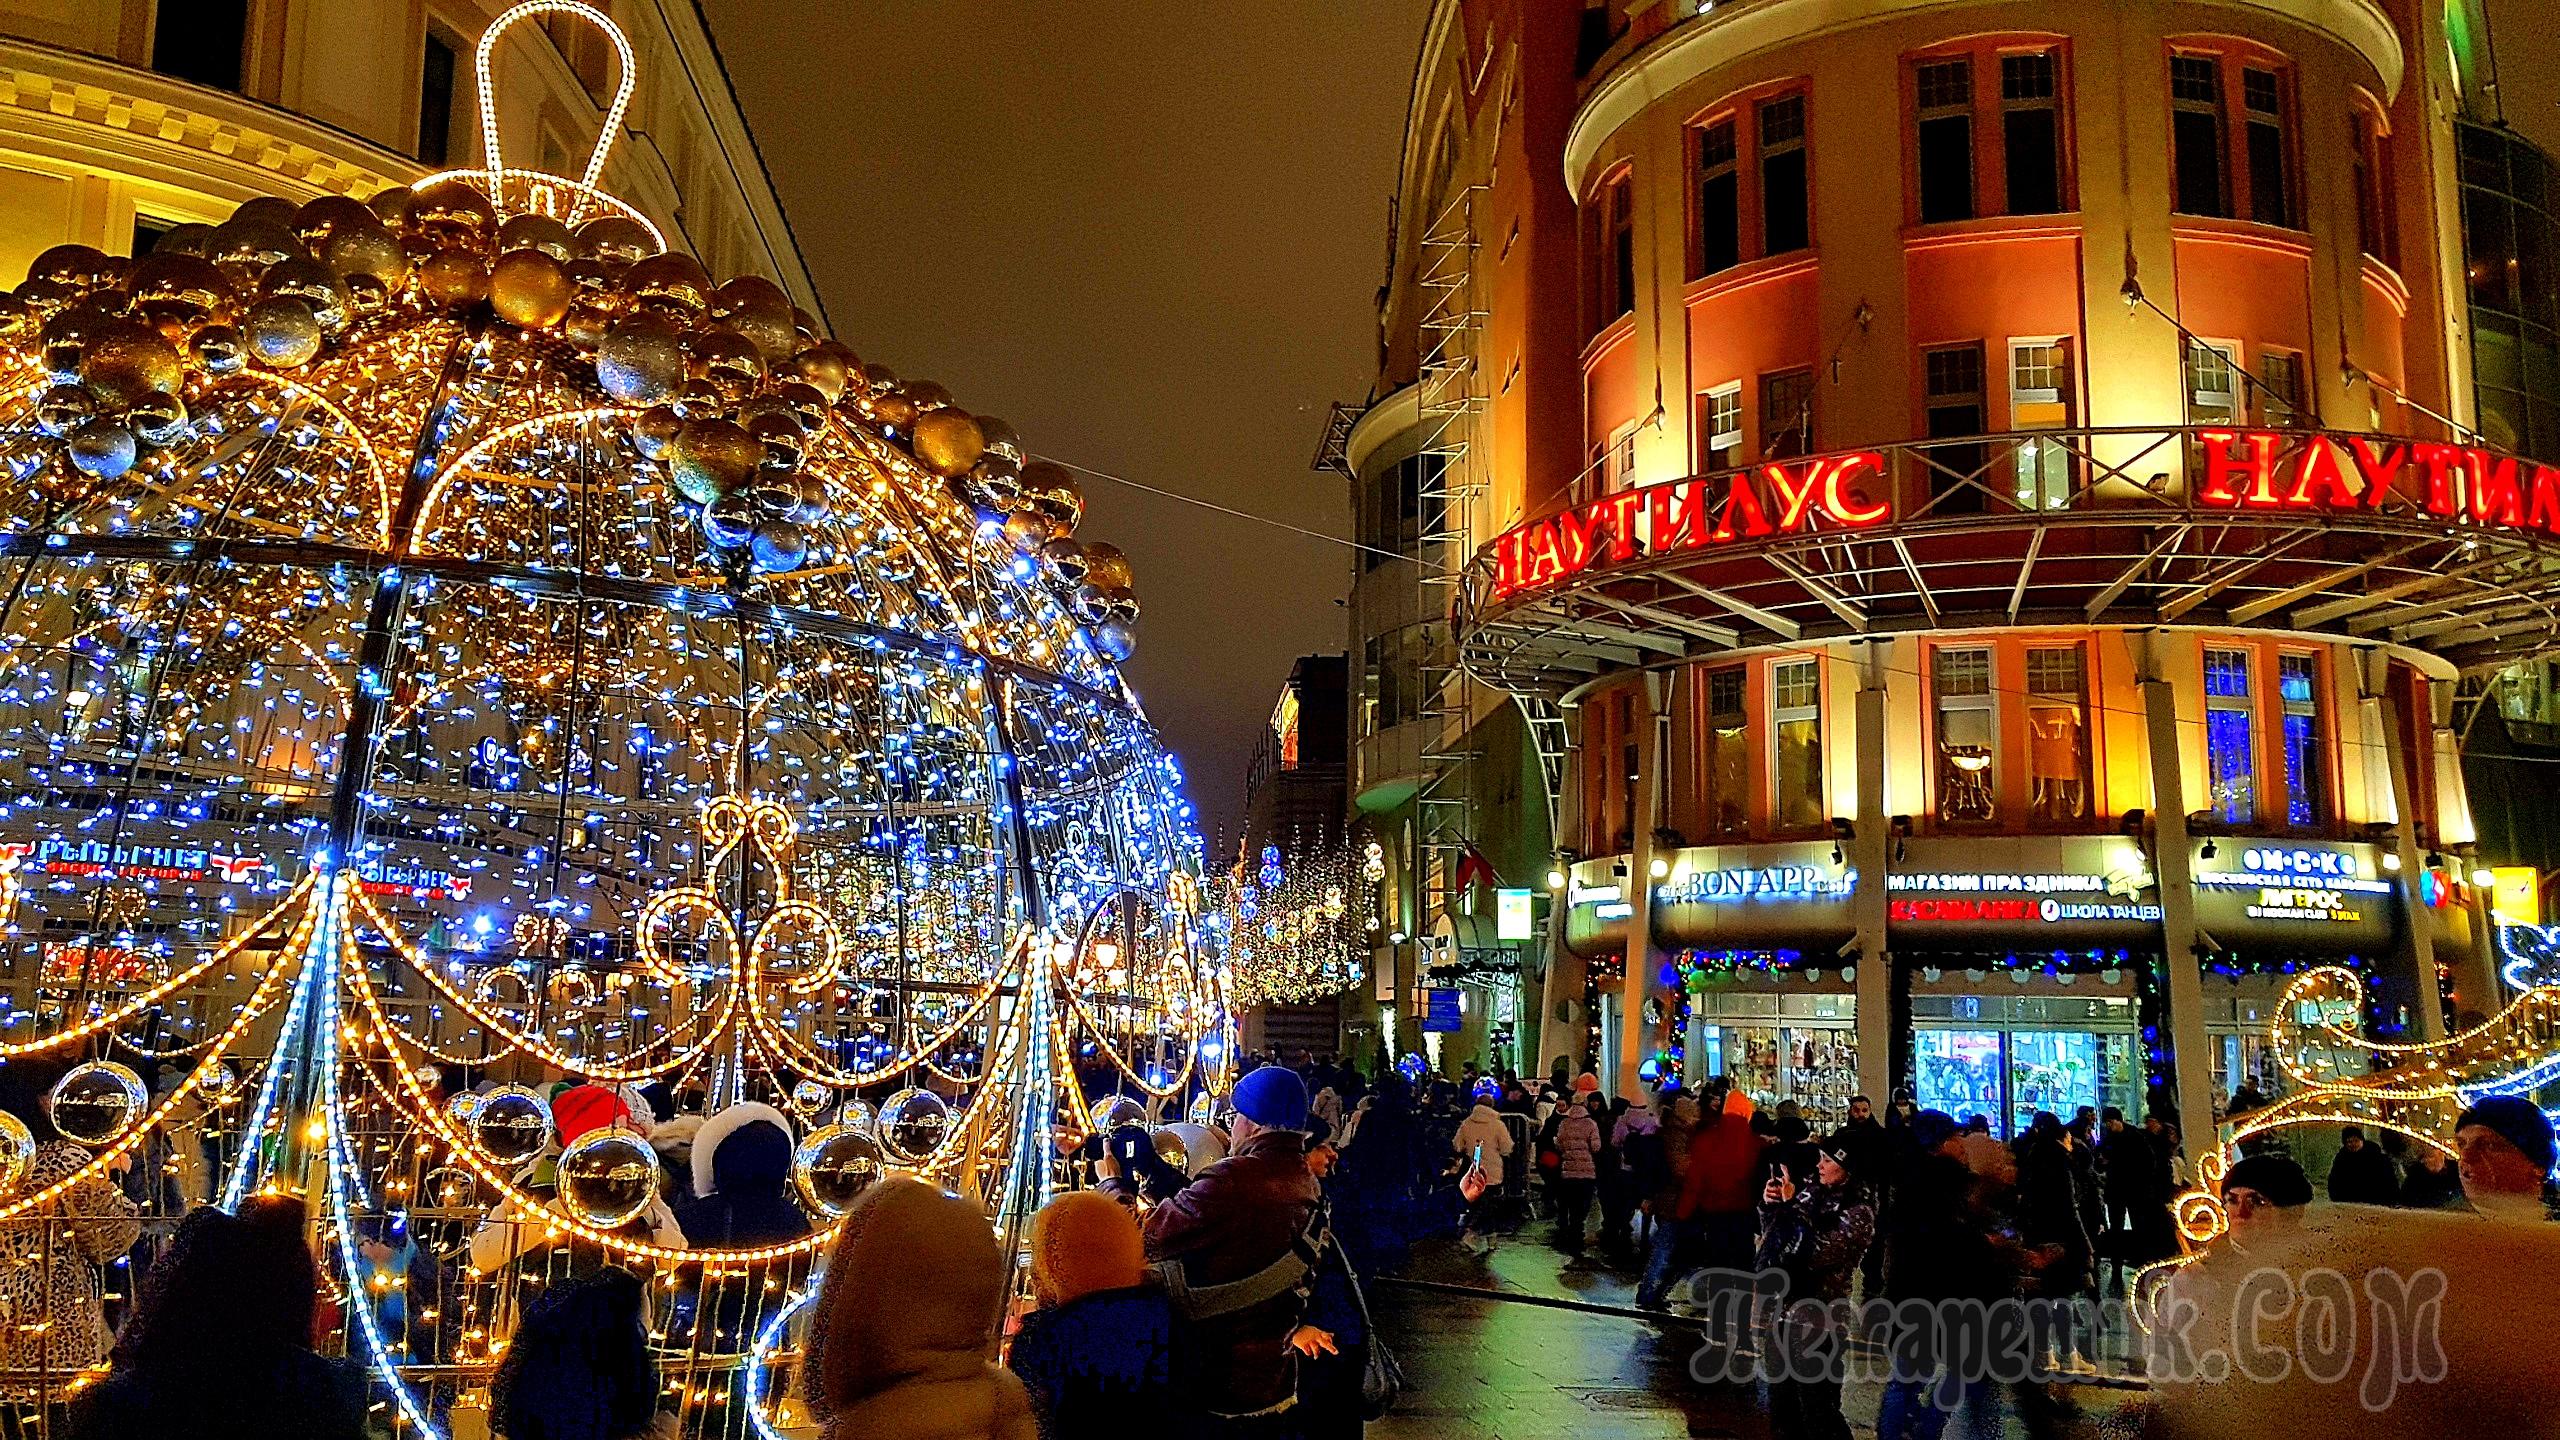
column 451, row 637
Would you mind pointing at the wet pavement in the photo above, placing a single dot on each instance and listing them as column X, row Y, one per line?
column 1523, row 1344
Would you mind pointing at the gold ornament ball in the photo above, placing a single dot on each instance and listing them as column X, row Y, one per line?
column 1189, row 1146
column 675, row 285
column 391, row 206
column 451, row 213
column 1062, row 563
column 1026, row 531
column 927, row 394
column 453, row 278
column 511, row 1124
column 948, row 442
column 538, row 232
column 126, row 360
column 834, row 1166
column 531, row 289
column 641, row 360
column 79, row 267
column 322, row 219
column 177, row 292
column 756, row 308
column 17, row 1152
column 220, row 350
column 894, row 410
column 283, row 333
column 314, row 285
column 617, row 238
column 732, row 363
column 376, row 254
column 101, row 449
column 1107, row 566
column 824, row 369
column 709, row 458
column 607, row 1178
column 652, row 428
column 96, row 1103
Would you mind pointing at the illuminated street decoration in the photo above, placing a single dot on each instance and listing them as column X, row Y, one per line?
column 2418, row 1090
column 1292, row 935
column 450, row 634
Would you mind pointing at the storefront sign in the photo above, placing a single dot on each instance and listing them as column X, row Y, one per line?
column 65, row 963
column 417, row 882
column 1719, row 897
column 2273, row 897
column 178, row 863
column 2262, row 470
column 1443, row 1011
column 1515, row 915
column 1834, row 492
column 2078, row 893
column 2515, row 895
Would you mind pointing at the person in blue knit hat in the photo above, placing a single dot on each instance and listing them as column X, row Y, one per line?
column 1236, row 1251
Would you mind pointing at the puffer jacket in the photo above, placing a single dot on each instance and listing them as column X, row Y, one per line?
column 899, row 1342
column 1099, row 1363
column 1484, row 1136
column 1578, row 1145
column 1232, row 1221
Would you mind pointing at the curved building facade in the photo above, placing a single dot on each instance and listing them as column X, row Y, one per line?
column 1986, row 507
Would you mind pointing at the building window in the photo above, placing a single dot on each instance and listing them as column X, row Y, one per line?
column 2031, row 132
column 1786, row 202
column 147, row 230
column 1796, row 722
column 1613, row 251
column 1952, row 386
column 1961, row 686
column 1402, row 509
column 2230, row 735
column 2270, row 180
column 2199, row 186
column 201, row 40
column 1943, row 97
column 2040, row 392
column 1720, row 422
column 1719, row 198
column 2376, row 233
column 2279, row 392
column 435, row 100
column 1616, row 463
column 2213, row 383
column 1725, row 765
column 1786, row 414
column 2306, row 741
column 2057, row 734
column 1628, row 766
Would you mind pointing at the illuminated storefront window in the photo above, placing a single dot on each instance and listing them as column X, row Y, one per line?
column 1966, row 736
column 1796, row 716
column 2231, row 752
column 2057, row 734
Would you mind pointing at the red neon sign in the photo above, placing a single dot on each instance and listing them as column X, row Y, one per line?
column 1776, row 499
column 2254, row 470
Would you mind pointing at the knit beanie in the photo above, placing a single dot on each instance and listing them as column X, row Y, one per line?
column 1586, row 1084
column 582, row 1108
column 2278, row 1177
column 2519, row 1120
column 1082, row 1243
column 1273, row 1097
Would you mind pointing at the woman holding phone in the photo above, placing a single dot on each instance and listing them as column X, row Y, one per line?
column 1814, row 1230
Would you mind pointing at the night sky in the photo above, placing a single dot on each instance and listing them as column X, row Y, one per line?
column 1150, row 235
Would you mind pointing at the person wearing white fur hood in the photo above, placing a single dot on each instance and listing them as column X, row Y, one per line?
column 741, row 1197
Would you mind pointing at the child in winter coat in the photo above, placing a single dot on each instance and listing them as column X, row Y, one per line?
column 904, row 1323
column 1097, row 1355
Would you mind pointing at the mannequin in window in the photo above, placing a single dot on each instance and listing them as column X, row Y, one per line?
column 2054, row 745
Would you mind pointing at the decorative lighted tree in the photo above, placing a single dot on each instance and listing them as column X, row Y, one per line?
column 449, row 635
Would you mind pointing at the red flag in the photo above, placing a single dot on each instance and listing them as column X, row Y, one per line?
column 1473, row 870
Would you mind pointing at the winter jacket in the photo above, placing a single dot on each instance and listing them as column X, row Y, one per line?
column 904, row 1323
column 740, row 1198
column 1235, row 1219
column 2058, row 1207
column 1578, row 1146
column 1818, row 1238
column 2422, row 1189
column 2363, row 1177
column 293, row 1392
column 1099, row 1364
column 1724, row 1165
column 1486, row 1138
column 1940, row 1244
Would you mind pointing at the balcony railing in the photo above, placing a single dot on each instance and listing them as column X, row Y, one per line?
column 2450, row 549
